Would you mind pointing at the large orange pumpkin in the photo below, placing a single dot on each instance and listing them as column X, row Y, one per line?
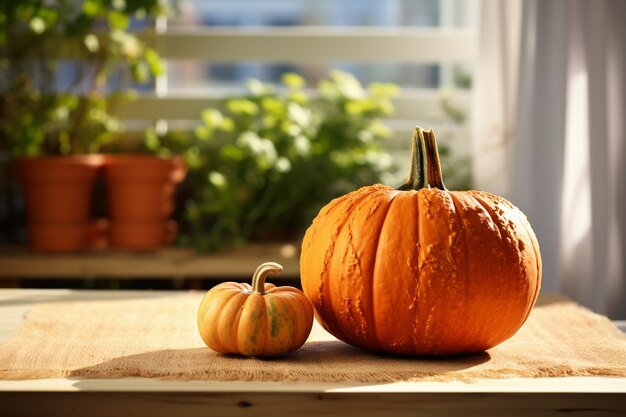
column 259, row 320
column 420, row 270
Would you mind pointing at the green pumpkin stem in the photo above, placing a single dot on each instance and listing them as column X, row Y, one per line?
column 258, row 279
column 417, row 175
column 435, row 179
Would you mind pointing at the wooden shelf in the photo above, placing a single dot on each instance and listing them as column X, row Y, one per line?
column 163, row 263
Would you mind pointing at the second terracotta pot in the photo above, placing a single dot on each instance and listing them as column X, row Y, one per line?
column 140, row 193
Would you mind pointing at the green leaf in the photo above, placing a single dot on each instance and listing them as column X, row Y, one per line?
column 119, row 4
column 91, row 43
column 140, row 72
column 192, row 211
column 380, row 129
column 259, row 88
column 37, row 25
column 347, row 85
column 269, row 121
column 212, row 118
column 327, row 89
column 128, row 44
column 299, row 97
column 157, row 67
column 218, row 180
column 152, row 141
column 192, row 157
column 282, row 165
column 293, row 80
column 49, row 15
column 231, row 152
column 202, row 133
column 165, row 153
column 118, row 20
column 228, row 124
column 92, row 7
column 242, row 106
column 299, row 114
column 354, row 108
column 273, row 105
column 302, row 145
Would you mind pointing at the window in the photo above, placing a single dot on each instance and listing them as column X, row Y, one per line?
column 212, row 47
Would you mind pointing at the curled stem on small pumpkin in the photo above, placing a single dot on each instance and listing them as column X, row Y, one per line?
column 435, row 179
column 258, row 279
column 417, row 175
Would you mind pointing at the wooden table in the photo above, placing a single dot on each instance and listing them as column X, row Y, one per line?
column 575, row 396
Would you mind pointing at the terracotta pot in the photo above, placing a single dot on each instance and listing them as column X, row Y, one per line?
column 140, row 193
column 57, row 193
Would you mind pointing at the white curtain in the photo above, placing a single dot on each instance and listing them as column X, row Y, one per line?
column 550, row 135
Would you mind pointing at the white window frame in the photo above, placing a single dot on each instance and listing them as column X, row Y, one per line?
column 305, row 45
column 400, row 45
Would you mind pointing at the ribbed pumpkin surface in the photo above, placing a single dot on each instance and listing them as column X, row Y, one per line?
column 428, row 272
column 234, row 319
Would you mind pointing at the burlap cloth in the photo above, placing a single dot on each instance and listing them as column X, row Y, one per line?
column 157, row 337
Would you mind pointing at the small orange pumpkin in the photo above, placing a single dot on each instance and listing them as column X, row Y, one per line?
column 420, row 270
column 261, row 320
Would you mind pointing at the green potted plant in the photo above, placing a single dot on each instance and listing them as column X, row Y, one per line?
column 53, row 126
column 261, row 165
